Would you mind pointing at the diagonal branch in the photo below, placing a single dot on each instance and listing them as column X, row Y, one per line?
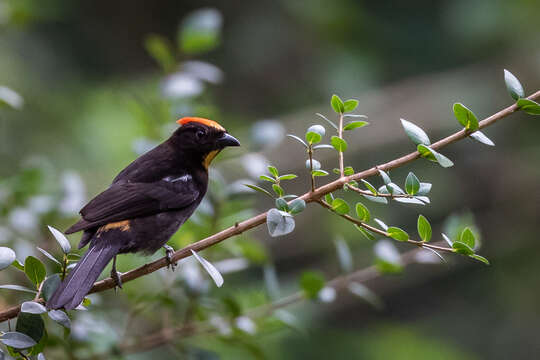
column 311, row 196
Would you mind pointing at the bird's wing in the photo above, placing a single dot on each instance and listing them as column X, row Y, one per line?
column 130, row 200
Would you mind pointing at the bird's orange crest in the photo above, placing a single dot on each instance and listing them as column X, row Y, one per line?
column 207, row 122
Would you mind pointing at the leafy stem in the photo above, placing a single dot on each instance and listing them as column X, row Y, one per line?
column 382, row 232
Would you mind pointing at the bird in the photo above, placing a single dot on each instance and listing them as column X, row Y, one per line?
column 144, row 206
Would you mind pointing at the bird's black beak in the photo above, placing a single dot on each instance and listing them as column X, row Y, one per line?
column 227, row 140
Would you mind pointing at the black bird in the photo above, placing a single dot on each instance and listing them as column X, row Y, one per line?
column 144, row 206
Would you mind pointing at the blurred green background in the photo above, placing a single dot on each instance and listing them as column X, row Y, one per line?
column 103, row 81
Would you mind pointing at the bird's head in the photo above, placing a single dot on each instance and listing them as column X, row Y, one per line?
column 202, row 137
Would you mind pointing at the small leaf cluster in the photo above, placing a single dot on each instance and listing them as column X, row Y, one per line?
column 30, row 334
column 465, row 244
column 515, row 89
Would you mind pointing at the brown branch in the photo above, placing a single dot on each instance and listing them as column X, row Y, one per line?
column 261, row 218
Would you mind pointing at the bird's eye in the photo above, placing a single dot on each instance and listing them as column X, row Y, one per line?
column 199, row 134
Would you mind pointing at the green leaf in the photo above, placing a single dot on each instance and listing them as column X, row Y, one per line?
column 311, row 283
column 329, row 198
column 279, row 223
column 200, row 31
column 259, row 189
column 278, row 190
column 288, row 177
column 17, row 340
column 315, row 133
column 462, row 248
column 369, row 186
column 337, row 104
column 34, row 270
column 385, row 177
column 397, row 234
column 465, row 117
column 412, row 184
column 447, row 239
column 297, row 206
column 513, row 85
column 17, row 264
column 430, row 154
column 367, row 234
column 298, row 139
column 340, row 206
column 348, row 170
column 329, row 121
column 415, row 133
column 362, row 212
column 407, row 200
column 161, row 51
column 467, row 237
column 316, row 164
column 267, row 178
column 281, row 204
column 323, row 146
column 272, row 170
column 62, row 240
column 33, row 307
column 355, row 125
column 319, row 173
column 7, row 257
column 376, row 199
column 350, row 105
column 394, row 189
column 381, row 224
column 31, row 325
column 425, row 188
column 313, row 138
column 480, row 137
column 48, row 255
column 49, row 285
column 338, row 143
column 424, row 228
column 480, row 258
column 18, row 288
column 529, row 106
column 61, row 317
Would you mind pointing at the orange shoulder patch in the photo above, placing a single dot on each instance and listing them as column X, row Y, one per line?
column 207, row 122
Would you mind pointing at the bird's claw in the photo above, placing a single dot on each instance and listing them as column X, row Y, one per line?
column 169, row 251
column 117, row 278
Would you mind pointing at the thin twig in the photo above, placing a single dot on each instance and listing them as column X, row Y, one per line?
column 255, row 221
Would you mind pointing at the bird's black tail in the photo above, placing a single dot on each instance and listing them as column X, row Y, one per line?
column 71, row 292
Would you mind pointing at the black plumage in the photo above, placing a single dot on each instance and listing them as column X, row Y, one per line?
column 145, row 205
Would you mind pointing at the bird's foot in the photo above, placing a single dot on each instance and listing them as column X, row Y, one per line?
column 117, row 278
column 169, row 251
